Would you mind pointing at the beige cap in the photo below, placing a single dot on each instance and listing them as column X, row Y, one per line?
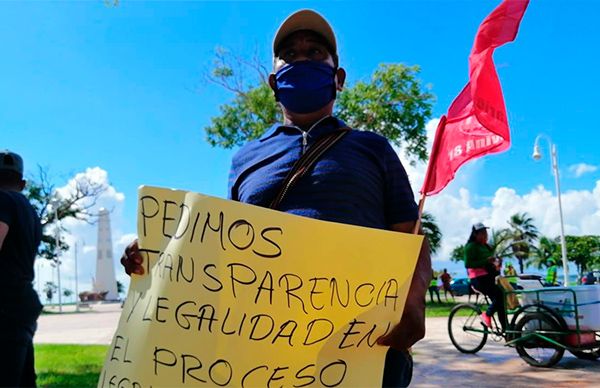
column 305, row 19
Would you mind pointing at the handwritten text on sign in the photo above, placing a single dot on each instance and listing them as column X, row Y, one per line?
column 239, row 295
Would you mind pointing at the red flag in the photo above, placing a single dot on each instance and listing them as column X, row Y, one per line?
column 476, row 123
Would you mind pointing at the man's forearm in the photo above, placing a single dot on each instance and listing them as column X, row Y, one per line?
column 3, row 233
column 412, row 324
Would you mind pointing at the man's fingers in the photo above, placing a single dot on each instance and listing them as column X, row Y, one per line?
column 125, row 264
column 139, row 270
column 132, row 247
column 132, row 259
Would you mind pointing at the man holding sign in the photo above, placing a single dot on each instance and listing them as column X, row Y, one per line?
column 312, row 165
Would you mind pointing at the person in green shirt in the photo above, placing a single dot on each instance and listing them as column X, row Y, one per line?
column 433, row 288
column 551, row 273
column 511, row 275
column 481, row 269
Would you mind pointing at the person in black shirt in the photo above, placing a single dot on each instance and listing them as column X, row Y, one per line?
column 20, row 236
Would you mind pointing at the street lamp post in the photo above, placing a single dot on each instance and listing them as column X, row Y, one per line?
column 563, row 246
column 76, row 283
column 57, row 252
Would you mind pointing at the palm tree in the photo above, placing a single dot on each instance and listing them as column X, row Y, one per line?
column 500, row 241
column 432, row 231
column 546, row 249
column 523, row 235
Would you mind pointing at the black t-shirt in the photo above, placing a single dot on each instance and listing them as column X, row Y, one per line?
column 20, row 246
column 19, row 303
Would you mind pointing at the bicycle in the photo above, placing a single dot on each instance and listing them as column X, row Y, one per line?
column 467, row 332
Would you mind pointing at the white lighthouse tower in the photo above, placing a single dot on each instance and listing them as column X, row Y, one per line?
column 105, row 267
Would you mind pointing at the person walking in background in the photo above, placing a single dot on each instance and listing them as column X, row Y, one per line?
column 446, row 278
column 510, row 273
column 482, row 271
column 509, row 283
column 433, row 287
column 20, row 236
column 551, row 273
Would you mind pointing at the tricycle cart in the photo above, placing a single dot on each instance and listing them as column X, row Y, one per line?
column 549, row 321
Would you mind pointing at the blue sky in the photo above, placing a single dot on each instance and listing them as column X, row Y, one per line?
column 121, row 88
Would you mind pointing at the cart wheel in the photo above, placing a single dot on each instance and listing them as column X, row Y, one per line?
column 537, row 351
column 466, row 331
column 588, row 354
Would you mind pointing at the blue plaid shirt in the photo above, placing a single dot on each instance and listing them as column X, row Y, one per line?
column 359, row 181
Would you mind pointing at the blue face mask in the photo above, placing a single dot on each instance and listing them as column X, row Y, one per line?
column 305, row 86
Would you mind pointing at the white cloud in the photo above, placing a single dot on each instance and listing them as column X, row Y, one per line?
column 89, row 248
column 84, row 236
column 455, row 212
column 109, row 198
column 580, row 169
column 126, row 239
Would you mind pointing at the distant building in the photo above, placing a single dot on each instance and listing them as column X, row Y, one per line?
column 105, row 280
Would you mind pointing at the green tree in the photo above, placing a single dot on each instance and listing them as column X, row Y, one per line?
column 583, row 251
column 77, row 203
column 458, row 254
column 120, row 287
column 432, row 231
column 523, row 234
column 392, row 103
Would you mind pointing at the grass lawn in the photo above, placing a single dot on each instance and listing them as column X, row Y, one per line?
column 439, row 309
column 69, row 365
column 443, row 309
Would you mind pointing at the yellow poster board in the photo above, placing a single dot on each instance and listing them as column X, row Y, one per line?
column 237, row 295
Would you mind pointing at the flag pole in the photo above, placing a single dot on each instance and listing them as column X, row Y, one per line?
column 429, row 172
column 421, row 205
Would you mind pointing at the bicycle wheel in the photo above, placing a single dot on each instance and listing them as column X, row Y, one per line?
column 534, row 350
column 467, row 333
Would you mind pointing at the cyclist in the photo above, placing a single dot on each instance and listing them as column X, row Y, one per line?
column 482, row 271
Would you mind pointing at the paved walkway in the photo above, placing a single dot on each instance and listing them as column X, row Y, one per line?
column 94, row 325
column 437, row 362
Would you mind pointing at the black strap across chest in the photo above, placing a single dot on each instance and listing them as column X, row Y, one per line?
column 306, row 161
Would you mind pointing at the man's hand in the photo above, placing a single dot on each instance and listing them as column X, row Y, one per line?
column 412, row 324
column 132, row 259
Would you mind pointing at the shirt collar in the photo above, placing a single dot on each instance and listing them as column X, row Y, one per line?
column 323, row 126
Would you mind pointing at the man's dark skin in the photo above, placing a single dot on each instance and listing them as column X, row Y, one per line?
column 307, row 45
